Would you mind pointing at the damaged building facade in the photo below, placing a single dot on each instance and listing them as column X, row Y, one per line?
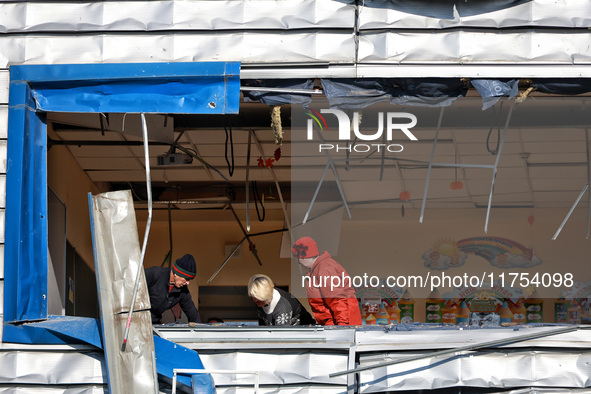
column 271, row 120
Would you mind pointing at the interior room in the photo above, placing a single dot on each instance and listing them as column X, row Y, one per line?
column 226, row 190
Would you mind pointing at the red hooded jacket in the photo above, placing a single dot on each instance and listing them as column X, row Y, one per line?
column 336, row 306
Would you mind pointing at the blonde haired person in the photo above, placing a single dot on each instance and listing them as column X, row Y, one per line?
column 276, row 307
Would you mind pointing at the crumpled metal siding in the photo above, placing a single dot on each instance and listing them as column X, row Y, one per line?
column 402, row 14
column 246, row 47
column 297, row 33
column 47, row 365
column 175, row 15
column 278, row 367
column 488, row 369
column 452, row 47
column 287, row 14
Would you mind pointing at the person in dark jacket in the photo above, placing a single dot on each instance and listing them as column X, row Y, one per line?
column 276, row 307
column 168, row 287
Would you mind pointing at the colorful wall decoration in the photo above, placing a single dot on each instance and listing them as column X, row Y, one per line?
column 499, row 252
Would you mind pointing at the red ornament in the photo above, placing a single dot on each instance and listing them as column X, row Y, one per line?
column 456, row 185
column 531, row 219
column 405, row 195
column 277, row 154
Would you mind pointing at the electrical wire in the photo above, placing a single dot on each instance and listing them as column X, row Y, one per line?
column 230, row 167
column 257, row 201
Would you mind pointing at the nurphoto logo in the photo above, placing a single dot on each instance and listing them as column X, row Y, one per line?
column 394, row 122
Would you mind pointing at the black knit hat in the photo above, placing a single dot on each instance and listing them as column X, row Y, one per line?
column 185, row 267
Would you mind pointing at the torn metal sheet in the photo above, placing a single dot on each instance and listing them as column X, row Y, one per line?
column 117, row 258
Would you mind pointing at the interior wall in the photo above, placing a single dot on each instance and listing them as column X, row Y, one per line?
column 72, row 185
column 205, row 235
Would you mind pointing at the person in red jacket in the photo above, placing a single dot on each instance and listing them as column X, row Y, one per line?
column 330, row 304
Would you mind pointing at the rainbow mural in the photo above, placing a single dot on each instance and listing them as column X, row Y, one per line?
column 498, row 251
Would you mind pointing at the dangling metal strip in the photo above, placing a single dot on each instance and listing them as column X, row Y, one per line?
column 146, row 233
column 431, row 165
column 494, row 176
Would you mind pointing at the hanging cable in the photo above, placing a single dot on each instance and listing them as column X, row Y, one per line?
column 168, row 258
column 257, row 200
column 230, row 167
column 488, row 148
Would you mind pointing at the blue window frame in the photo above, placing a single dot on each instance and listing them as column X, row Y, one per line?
column 190, row 88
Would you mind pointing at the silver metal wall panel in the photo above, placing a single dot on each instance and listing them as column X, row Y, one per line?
column 285, row 14
column 1, row 279
column 495, row 369
column 401, row 14
column 298, row 389
column 279, row 366
column 477, row 47
column 523, row 48
column 35, row 366
column 84, row 389
column 246, row 47
column 376, row 340
column 4, row 82
column 3, row 121
column 175, row 15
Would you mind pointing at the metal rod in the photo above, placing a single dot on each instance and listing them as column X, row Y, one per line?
column 146, row 233
column 336, row 176
column 461, row 165
column 588, row 183
column 315, row 194
column 382, row 161
column 226, row 260
column 570, row 212
column 244, row 231
column 236, row 248
column 246, row 181
column 280, row 90
column 430, row 165
column 285, row 215
column 170, row 233
column 495, row 169
column 497, row 342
